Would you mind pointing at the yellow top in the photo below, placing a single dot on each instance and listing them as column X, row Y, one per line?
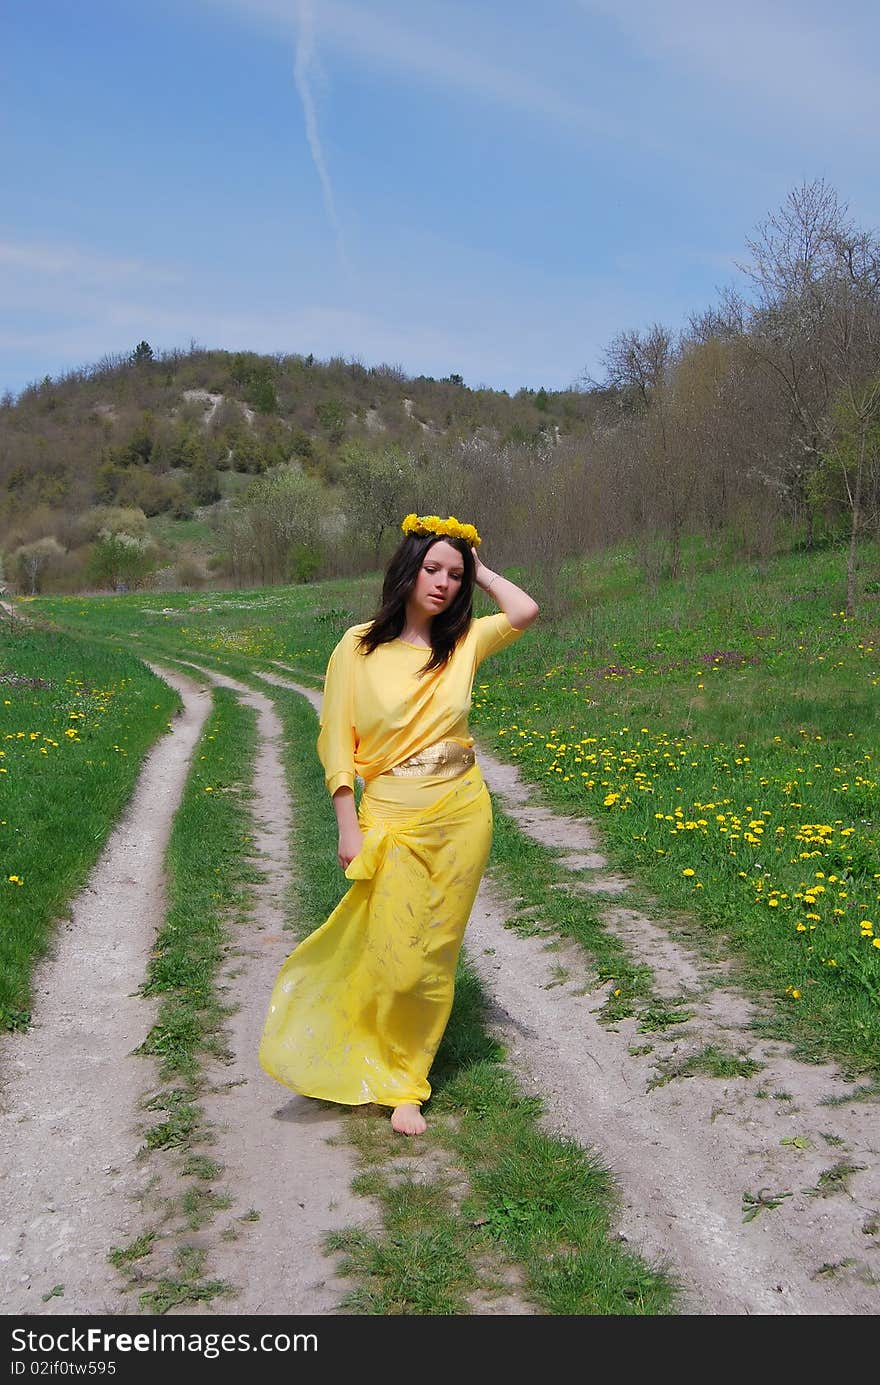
column 377, row 711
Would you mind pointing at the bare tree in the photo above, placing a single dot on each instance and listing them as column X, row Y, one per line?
column 378, row 484
column 642, row 368
column 815, row 329
column 32, row 561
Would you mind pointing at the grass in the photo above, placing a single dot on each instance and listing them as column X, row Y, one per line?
column 76, row 720
column 710, row 1061
column 185, row 1287
column 722, row 730
column 548, row 904
column 123, row 1256
column 834, row 1180
column 178, row 532
column 210, row 874
column 421, row 1263
column 544, row 1202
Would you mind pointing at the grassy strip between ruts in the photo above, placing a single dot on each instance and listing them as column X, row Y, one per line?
column 210, row 870
column 76, row 720
column 486, row 1204
column 533, row 875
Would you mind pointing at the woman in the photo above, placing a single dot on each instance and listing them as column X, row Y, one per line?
column 360, row 1007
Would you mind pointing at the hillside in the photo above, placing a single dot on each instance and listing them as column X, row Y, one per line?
column 177, row 435
column 81, row 439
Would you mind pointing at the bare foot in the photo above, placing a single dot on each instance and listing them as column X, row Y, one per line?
column 408, row 1120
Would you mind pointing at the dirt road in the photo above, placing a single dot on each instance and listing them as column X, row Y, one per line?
column 688, row 1152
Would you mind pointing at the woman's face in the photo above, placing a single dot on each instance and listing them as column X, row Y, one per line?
column 438, row 582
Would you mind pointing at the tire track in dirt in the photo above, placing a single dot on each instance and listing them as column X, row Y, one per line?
column 283, row 1156
column 684, row 1151
column 71, row 1089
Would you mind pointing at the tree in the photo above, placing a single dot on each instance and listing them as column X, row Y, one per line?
column 203, row 483
column 114, row 519
column 138, row 449
column 815, row 327
column 853, row 460
column 275, row 531
column 641, row 368
column 142, row 354
column 261, row 393
column 142, row 490
column 332, row 418
column 377, row 486
column 119, row 560
column 31, row 562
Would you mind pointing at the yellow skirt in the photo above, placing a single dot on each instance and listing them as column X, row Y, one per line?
column 360, row 1007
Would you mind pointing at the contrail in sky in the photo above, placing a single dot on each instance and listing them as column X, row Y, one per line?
column 304, row 53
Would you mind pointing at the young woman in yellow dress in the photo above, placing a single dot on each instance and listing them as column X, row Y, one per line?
column 359, row 1008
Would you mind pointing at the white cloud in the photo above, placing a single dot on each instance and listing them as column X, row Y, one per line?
column 797, row 59
column 419, row 52
column 72, row 262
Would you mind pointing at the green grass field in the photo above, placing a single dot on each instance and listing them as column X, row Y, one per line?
column 723, row 729
column 75, row 721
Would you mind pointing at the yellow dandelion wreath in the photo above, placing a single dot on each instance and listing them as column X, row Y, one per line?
column 450, row 528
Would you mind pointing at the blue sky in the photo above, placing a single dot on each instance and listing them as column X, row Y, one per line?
column 479, row 186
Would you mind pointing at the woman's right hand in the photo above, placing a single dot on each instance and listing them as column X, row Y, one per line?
column 351, row 839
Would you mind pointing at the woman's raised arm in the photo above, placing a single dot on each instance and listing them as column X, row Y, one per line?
column 520, row 608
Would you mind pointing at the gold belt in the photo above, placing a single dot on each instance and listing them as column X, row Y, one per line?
column 444, row 759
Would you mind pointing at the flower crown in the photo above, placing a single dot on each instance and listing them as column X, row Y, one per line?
column 450, row 528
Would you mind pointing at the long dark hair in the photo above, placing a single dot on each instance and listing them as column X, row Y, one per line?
column 448, row 626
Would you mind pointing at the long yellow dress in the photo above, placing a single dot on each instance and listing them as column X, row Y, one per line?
column 359, row 1008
